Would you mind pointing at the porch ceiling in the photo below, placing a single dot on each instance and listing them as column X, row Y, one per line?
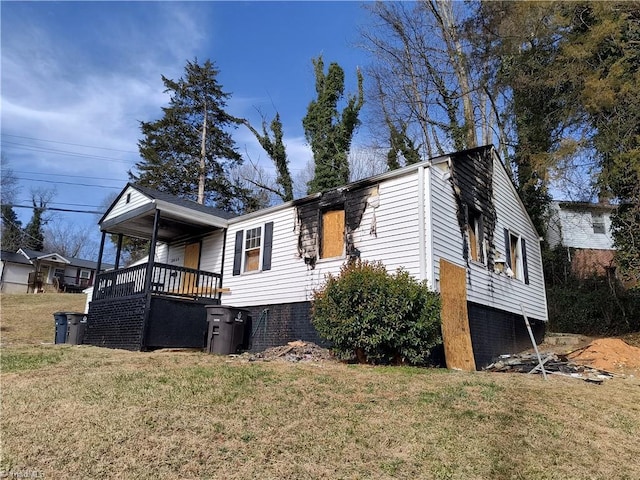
column 139, row 223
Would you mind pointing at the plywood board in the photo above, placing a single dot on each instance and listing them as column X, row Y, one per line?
column 191, row 260
column 456, row 335
column 333, row 234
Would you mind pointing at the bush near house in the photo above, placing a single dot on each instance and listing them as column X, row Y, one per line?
column 595, row 305
column 378, row 317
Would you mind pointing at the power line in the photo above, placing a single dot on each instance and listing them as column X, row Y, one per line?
column 67, row 143
column 70, row 176
column 69, row 183
column 67, row 153
column 53, row 209
column 70, row 204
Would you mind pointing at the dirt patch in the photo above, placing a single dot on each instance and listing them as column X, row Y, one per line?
column 297, row 351
column 610, row 354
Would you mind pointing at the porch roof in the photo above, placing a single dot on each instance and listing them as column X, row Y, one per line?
column 179, row 218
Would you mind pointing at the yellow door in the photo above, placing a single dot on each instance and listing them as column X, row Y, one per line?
column 191, row 260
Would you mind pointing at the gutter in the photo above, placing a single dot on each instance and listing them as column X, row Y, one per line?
column 422, row 244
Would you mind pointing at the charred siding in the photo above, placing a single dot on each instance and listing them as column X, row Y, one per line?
column 309, row 216
column 472, row 178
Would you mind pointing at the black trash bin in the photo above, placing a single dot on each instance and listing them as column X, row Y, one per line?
column 77, row 324
column 60, row 319
column 226, row 329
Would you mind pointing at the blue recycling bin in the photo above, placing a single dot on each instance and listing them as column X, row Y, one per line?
column 61, row 323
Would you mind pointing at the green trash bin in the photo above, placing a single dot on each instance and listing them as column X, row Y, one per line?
column 226, row 329
column 77, row 325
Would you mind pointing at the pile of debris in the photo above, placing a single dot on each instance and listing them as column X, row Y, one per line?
column 297, row 351
column 610, row 354
column 556, row 364
column 594, row 362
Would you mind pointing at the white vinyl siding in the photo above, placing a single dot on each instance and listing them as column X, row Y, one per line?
column 291, row 280
column 576, row 229
column 136, row 199
column 211, row 252
column 15, row 277
column 485, row 287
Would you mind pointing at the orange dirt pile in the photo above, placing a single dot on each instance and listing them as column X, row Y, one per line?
column 609, row 354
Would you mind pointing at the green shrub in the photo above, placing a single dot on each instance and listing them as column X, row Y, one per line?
column 377, row 317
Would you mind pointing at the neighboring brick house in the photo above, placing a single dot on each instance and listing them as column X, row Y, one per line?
column 584, row 229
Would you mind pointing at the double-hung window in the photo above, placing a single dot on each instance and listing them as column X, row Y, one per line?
column 84, row 277
column 252, row 242
column 252, row 252
column 516, row 255
column 597, row 220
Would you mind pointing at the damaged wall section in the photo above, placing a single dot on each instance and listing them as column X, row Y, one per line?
column 310, row 212
column 472, row 181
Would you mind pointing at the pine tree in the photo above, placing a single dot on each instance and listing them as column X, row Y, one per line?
column 189, row 150
column 33, row 235
column 11, row 229
column 328, row 131
column 276, row 150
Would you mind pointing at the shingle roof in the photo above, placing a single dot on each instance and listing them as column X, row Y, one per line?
column 76, row 262
column 167, row 197
column 13, row 257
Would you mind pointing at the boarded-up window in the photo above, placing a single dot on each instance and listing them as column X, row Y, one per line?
column 252, row 249
column 332, row 238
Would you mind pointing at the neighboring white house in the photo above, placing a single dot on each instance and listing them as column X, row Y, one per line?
column 29, row 271
column 462, row 208
column 584, row 229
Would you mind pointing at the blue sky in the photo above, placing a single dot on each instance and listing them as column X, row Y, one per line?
column 78, row 77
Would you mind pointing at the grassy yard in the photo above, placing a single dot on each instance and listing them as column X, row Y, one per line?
column 85, row 412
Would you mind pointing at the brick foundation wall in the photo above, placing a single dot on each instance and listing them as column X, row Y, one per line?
column 495, row 332
column 586, row 262
column 281, row 324
column 116, row 323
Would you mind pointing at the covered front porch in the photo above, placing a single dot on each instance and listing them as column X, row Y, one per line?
column 160, row 301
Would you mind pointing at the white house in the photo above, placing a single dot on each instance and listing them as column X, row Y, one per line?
column 584, row 229
column 29, row 271
column 460, row 208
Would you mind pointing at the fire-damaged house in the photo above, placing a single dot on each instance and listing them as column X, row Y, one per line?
column 454, row 221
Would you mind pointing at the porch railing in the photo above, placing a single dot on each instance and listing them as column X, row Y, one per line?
column 165, row 280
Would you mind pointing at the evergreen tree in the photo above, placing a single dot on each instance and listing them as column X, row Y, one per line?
column 276, row 150
column 604, row 48
column 328, row 131
column 401, row 146
column 188, row 151
column 33, row 233
column 11, row 229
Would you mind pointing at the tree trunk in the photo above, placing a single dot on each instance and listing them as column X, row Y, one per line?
column 203, row 157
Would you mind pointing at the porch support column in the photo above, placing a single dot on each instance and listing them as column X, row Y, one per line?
column 99, row 266
column 152, row 252
column 118, row 251
column 147, row 279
